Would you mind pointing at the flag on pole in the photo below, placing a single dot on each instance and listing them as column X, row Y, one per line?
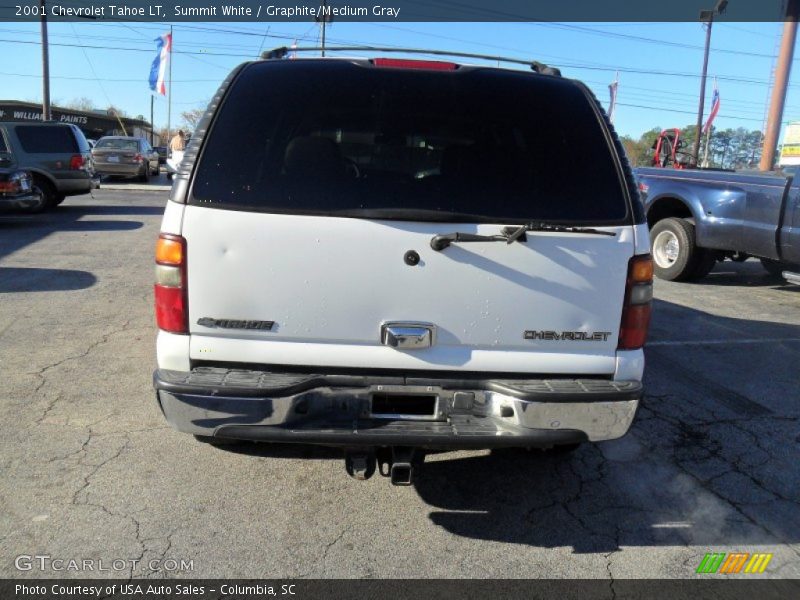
column 612, row 90
column 714, row 107
column 293, row 47
column 158, row 70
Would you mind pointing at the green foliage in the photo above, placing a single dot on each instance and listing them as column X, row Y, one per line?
column 728, row 148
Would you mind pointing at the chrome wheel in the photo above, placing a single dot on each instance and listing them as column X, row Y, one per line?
column 666, row 249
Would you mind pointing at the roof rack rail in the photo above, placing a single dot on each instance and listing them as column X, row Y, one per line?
column 535, row 66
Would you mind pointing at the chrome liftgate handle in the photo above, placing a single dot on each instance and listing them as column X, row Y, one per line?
column 408, row 336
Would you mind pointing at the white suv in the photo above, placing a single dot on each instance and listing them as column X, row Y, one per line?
column 392, row 255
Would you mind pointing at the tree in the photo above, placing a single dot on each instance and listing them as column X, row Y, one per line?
column 192, row 117
column 83, row 103
column 115, row 111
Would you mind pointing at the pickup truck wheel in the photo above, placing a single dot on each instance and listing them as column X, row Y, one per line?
column 706, row 261
column 774, row 267
column 674, row 251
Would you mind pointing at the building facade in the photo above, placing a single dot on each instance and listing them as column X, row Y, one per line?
column 94, row 124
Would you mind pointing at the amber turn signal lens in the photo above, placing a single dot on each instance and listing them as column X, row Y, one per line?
column 169, row 251
column 641, row 269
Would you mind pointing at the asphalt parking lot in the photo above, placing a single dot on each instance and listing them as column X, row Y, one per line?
column 90, row 470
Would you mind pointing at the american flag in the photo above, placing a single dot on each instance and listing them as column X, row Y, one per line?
column 714, row 107
column 158, row 69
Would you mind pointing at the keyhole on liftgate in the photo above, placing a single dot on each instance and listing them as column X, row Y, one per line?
column 411, row 258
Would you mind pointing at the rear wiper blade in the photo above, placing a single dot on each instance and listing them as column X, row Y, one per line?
column 512, row 234
column 443, row 240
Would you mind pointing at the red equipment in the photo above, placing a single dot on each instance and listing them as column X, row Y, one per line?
column 667, row 150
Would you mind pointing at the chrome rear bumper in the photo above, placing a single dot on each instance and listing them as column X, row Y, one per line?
column 338, row 409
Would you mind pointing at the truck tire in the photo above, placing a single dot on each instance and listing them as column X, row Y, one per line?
column 676, row 256
column 705, row 263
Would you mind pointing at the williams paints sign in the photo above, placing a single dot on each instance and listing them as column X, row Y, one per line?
column 25, row 115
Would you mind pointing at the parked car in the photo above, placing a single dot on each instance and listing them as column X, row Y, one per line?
column 55, row 154
column 125, row 156
column 406, row 262
column 162, row 154
column 698, row 217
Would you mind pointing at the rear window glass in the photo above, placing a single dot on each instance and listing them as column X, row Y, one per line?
column 117, row 144
column 47, row 140
column 338, row 138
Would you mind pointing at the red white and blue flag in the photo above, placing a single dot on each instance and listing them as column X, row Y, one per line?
column 158, row 70
column 714, row 107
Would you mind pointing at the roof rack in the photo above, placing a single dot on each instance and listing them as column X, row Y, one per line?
column 535, row 66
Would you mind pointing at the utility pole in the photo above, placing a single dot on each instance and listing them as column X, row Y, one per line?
column 708, row 17
column 781, row 82
column 152, row 125
column 45, row 65
column 169, row 89
column 323, row 19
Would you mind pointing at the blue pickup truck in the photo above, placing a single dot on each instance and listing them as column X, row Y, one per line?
column 700, row 216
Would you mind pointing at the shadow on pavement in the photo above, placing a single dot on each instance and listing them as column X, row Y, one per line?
column 114, row 209
column 19, row 279
column 742, row 274
column 19, row 231
column 708, row 462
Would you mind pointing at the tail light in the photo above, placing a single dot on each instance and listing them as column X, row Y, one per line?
column 170, row 288
column 403, row 63
column 138, row 158
column 76, row 162
column 638, row 300
column 16, row 183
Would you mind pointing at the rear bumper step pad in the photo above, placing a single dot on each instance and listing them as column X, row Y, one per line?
column 244, row 383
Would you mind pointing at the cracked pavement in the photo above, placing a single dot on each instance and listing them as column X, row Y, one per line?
column 91, row 470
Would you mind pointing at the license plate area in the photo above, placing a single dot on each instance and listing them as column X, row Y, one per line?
column 113, row 159
column 404, row 405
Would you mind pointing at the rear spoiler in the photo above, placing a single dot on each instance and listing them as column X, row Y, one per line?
column 535, row 66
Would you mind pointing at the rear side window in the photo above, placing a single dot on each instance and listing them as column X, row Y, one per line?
column 117, row 144
column 46, row 140
column 339, row 138
column 3, row 146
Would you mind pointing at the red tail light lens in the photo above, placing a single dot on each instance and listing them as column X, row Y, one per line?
column 76, row 162
column 138, row 158
column 638, row 301
column 404, row 63
column 172, row 309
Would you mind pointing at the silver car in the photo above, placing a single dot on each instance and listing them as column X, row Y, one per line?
column 125, row 156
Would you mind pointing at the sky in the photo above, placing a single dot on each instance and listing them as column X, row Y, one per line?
column 659, row 64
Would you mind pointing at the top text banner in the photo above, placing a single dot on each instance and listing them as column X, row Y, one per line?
column 388, row 10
